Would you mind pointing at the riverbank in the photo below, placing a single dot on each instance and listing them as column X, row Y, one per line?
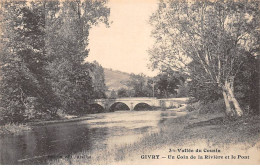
column 62, row 120
column 14, row 128
column 20, row 128
column 204, row 131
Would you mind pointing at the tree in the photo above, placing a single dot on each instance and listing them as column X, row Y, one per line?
column 216, row 36
column 98, row 80
column 246, row 84
column 122, row 92
column 138, row 84
column 43, row 51
column 167, row 83
column 25, row 90
column 70, row 76
column 113, row 95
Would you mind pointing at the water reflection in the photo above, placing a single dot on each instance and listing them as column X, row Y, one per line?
column 103, row 130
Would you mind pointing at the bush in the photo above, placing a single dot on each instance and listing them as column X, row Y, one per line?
column 183, row 91
column 192, row 100
column 212, row 107
column 190, row 107
column 204, row 92
column 13, row 128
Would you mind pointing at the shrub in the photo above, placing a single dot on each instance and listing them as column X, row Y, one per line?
column 183, row 91
column 212, row 107
column 192, row 100
column 190, row 107
column 13, row 128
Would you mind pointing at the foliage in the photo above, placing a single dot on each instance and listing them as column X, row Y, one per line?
column 183, row 90
column 25, row 89
column 139, row 86
column 113, row 94
column 204, row 92
column 164, row 85
column 43, row 48
column 208, row 40
column 167, row 83
column 247, row 86
column 217, row 106
column 190, row 107
column 15, row 129
column 122, row 92
column 70, row 75
column 98, row 80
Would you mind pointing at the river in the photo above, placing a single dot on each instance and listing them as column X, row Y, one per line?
column 100, row 131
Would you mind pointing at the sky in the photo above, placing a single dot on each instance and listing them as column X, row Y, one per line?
column 123, row 46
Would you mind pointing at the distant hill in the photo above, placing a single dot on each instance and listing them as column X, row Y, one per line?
column 115, row 79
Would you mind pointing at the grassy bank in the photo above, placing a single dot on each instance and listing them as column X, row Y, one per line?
column 9, row 128
column 208, row 130
column 13, row 128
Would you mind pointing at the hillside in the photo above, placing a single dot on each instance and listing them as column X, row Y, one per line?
column 115, row 79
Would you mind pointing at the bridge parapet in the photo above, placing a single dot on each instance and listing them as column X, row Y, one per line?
column 127, row 99
column 131, row 102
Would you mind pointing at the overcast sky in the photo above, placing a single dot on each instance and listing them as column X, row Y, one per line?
column 123, row 46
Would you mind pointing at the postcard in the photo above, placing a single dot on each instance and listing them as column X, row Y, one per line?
column 129, row 82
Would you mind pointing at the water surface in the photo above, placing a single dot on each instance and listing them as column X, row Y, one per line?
column 101, row 131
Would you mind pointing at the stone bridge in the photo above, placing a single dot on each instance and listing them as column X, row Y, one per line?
column 133, row 102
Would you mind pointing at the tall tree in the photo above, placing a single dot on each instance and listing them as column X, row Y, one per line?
column 138, row 84
column 218, row 36
column 25, row 89
column 167, row 83
column 43, row 48
column 70, row 74
column 98, row 80
column 122, row 92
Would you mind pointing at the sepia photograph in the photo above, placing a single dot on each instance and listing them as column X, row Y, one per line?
column 129, row 82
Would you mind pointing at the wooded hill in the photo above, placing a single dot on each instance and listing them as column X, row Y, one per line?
column 115, row 79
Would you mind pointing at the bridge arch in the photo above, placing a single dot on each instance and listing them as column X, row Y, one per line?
column 96, row 108
column 142, row 106
column 118, row 106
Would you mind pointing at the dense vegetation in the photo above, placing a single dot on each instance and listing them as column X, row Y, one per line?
column 214, row 43
column 43, row 48
column 167, row 84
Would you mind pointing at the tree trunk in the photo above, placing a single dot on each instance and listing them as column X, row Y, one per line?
column 229, row 112
column 229, row 90
column 238, row 110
